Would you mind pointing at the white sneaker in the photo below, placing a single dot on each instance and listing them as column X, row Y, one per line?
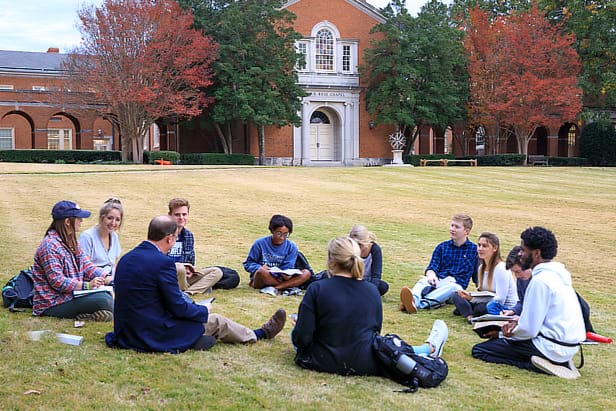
column 437, row 337
column 270, row 291
column 547, row 366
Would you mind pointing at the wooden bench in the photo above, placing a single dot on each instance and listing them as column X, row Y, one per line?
column 534, row 160
column 445, row 161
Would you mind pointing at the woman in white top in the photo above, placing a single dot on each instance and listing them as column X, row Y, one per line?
column 492, row 276
column 101, row 242
column 372, row 256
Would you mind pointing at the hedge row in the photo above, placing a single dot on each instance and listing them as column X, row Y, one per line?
column 59, row 156
column 567, row 161
column 496, row 160
column 217, row 158
column 150, row 157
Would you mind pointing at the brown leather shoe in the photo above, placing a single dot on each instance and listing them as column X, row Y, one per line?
column 275, row 324
column 407, row 300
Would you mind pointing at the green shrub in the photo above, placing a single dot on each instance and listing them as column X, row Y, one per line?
column 217, row 158
column 567, row 161
column 488, row 160
column 172, row 156
column 598, row 143
column 497, row 159
column 59, row 156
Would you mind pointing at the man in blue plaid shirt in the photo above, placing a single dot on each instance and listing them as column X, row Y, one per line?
column 452, row 266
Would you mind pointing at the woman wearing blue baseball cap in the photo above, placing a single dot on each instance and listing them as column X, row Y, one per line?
column 61, row 268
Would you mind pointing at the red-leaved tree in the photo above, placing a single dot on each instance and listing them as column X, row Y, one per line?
column 484, row 68
column 143, row 61
column 524, row 74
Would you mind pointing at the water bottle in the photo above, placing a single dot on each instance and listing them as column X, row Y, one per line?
column 405, row 364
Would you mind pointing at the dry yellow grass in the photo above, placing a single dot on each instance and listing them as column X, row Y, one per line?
column 408, row 209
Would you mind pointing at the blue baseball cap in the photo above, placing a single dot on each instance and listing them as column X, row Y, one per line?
column 65, row 209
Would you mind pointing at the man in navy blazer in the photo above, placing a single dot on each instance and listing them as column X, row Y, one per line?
column 150, row 312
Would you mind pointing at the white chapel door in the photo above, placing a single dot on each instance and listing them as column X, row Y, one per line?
column 321, row 137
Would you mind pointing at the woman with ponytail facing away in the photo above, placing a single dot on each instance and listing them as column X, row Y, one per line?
column 339, row 317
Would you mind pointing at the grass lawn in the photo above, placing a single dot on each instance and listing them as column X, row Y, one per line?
column 409, row 210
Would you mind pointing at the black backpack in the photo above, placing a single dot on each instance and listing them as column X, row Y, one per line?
column 301, row 263
column 428, row 373
column 18, row 293
column 230, row 279
column 585, row 313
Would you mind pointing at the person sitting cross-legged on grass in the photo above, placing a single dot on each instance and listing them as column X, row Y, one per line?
column 493, row 276
column 61, row 267
column 275, row 250
column 192, row 280
column 151, row 313
column 523, row 277
column 340, row 317
column 450, row 270
column 546, row 335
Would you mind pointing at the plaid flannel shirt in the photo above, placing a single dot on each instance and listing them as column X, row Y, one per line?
column 56, row 272
column 184, row 249
column 457, row 262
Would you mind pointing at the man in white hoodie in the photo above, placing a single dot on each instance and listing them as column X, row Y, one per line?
column 545, row 336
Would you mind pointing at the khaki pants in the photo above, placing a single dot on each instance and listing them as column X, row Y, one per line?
column 228, row 331
column 200, row 280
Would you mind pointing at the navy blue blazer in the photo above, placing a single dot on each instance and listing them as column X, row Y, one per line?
column 150, row 313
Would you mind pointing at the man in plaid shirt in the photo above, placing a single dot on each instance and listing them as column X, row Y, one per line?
column 452, row 266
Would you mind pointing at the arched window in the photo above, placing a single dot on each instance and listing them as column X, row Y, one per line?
column 319, row 117
column 325, row 50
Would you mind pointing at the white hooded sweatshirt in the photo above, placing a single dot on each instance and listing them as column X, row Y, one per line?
column 551, row 308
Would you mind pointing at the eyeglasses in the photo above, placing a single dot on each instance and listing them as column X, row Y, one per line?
column 278, row 234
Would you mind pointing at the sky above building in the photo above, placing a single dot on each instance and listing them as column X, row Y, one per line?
column 36, row 25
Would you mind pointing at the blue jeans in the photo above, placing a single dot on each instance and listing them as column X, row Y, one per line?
column 494, row 307
column 443, row 293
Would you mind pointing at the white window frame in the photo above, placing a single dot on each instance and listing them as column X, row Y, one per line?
column 312, row 50
column 326, row 56
column 39, row 88
column 53, row 136
column 6, row 87
column 346, row 58
column 302, row 48
column 11, row 131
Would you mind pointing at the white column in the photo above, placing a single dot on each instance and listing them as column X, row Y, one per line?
column 355, row 131
column 347, row 130
column 305, row 133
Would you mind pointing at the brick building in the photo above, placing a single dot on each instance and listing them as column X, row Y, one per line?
column 37, row 111
column 336, row 129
